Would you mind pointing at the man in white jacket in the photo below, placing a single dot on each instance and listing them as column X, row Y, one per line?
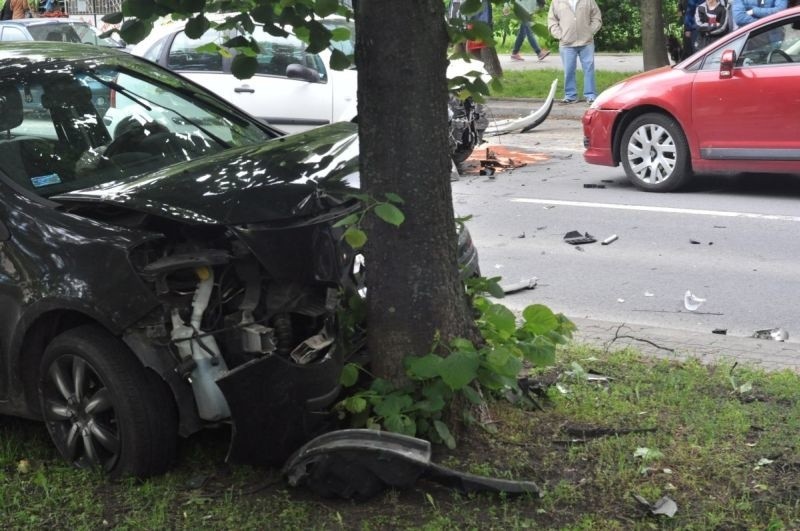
column 574, row 23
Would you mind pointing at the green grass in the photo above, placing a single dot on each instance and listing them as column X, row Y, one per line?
column 710, row 431
column 536, row 83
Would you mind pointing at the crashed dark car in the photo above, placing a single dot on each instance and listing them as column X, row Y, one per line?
column 167, row 265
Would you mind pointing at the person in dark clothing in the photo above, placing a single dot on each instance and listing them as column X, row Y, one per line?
column 711, row 18
column 688, row 8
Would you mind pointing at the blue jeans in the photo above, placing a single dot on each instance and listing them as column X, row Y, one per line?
column 524, row 31
column 569, row 58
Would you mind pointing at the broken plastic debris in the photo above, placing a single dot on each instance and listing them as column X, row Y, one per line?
column 610, row 239
column 665, row 505
column 692, row 302
column 528, row 283
column 593, row 185
column 359, row 464
column 694, row 242
column 778, row 334
column 649, row 294
column 720, row 331
column 574, row 237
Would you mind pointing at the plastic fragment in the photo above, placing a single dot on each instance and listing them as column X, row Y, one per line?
column 778, row 334
column 692, row 302
column 610, row 239
column 574, row 237
column 720, row 331
column 665, row 505
column 593, row 185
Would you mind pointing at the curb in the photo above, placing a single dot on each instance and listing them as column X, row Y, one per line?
column 502, row 108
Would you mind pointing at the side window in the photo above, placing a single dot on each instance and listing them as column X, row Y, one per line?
column 13, row 34
column 772, row 46
column 279, row 52
column 183, row 55
column 711, row 61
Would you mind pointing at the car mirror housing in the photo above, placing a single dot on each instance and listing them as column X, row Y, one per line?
column 726, row 63
column 297, row 71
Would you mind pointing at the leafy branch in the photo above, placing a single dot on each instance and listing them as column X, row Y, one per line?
column 386, row 210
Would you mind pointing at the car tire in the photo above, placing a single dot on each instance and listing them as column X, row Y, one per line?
column 103, row 408
column 655, row 154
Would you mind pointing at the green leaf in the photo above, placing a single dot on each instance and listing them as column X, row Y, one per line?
column 340, row 34
column 423, row 367
column 381, row 386
column 140, row 8
column 472, row 395
column 394, row 198
column 460, row 343
column 390, row 214
column 243, row 67
column 349, row 375
column 470, row 7
column 501, row 318
column 339, row 60
column 355, row 404
column 113, row 18
column 355, row 237
column 133, row 30
column 197, row 26
column 319, row 37
column 394, row 423
column 539, row 351
column 444, row 433
column 503, row 362
column 191, row 6
column 393, row 405
column 459, row 369
column 433, row 404
column 239, row 41
column 347, row 220
column 323, row 8
column 539, row 319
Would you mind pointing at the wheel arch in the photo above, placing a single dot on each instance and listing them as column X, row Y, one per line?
column 627, row 116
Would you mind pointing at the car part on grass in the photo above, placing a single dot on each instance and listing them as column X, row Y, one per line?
column 665, row 505
column 526, row 123
column 611, row 239
column 358, row 464
column 692, row 302
column 524, row 284
column 777, row 334
column 574, row 237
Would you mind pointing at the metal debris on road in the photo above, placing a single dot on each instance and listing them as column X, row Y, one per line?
column 576, row 238
column 720, row 331
column 665, row 505
column 610, row 239
column 778, row 334
column 593, row 185
column 691, row 302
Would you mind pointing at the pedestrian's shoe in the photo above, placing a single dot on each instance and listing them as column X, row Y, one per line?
column 567, row 101
column 516, row 57
column 589, row 100
column 542, row 54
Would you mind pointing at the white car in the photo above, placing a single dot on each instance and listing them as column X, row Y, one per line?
column 292, row 89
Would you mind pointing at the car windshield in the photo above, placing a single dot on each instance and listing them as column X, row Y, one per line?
column 70, row 125
column 78, row 32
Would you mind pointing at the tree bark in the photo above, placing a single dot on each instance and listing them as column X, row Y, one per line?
column 414, row 289
column 654, row 44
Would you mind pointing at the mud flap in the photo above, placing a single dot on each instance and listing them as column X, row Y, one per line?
column 277, row 405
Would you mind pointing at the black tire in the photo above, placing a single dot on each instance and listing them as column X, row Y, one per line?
column 103, row 408
column 655, row 154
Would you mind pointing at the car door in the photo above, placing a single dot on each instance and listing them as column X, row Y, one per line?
column 753, row 114
column 185, row 56
column 289, row 104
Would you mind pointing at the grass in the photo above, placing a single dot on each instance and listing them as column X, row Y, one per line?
column 536, row 83
column 725, row 447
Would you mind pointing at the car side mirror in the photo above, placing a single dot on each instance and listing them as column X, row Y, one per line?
column 726, row 63
column 297, row 71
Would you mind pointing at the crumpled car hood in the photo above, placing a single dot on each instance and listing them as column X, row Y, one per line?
column 285, row 178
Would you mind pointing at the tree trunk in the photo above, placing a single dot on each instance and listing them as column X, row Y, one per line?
column 414, row 290
column 654, row 44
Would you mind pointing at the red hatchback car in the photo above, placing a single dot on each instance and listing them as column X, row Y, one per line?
column 731, row 107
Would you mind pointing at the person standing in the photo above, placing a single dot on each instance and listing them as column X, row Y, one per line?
column 525, row 31
column 711, row 18
column 19, row 8
column 574, row 23
column 691, row 35
column 747, row 11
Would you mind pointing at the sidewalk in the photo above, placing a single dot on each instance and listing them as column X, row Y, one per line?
column 616, row 62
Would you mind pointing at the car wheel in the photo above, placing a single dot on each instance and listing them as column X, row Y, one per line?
column 103, row 408
column 655, row 154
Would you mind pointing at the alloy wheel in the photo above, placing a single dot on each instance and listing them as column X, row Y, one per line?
column 652, row 153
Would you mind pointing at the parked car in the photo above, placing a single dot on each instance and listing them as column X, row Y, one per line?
column 54, row 29
column 171, row 265
column 292, row 89
column 728, row 108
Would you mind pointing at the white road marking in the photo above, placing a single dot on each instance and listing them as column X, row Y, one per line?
column 668, row 210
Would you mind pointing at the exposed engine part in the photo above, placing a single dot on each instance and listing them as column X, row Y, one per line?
column 467, row 125
column 203, row 350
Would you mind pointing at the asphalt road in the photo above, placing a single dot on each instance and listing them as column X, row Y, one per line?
column 744, row 262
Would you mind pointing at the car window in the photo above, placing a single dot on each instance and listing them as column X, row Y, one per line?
column 773, row 45
column 279, row 52
column 54, row 32
column 711, row 61
column 56, row 137
column 13, row 34
column 154, row 52
column 347, row 46
column 184, row 54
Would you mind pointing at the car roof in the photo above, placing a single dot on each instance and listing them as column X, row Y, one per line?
column 13, row 53
column 42, row 21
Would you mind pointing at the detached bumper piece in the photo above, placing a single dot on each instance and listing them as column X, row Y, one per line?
column 358, row 464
